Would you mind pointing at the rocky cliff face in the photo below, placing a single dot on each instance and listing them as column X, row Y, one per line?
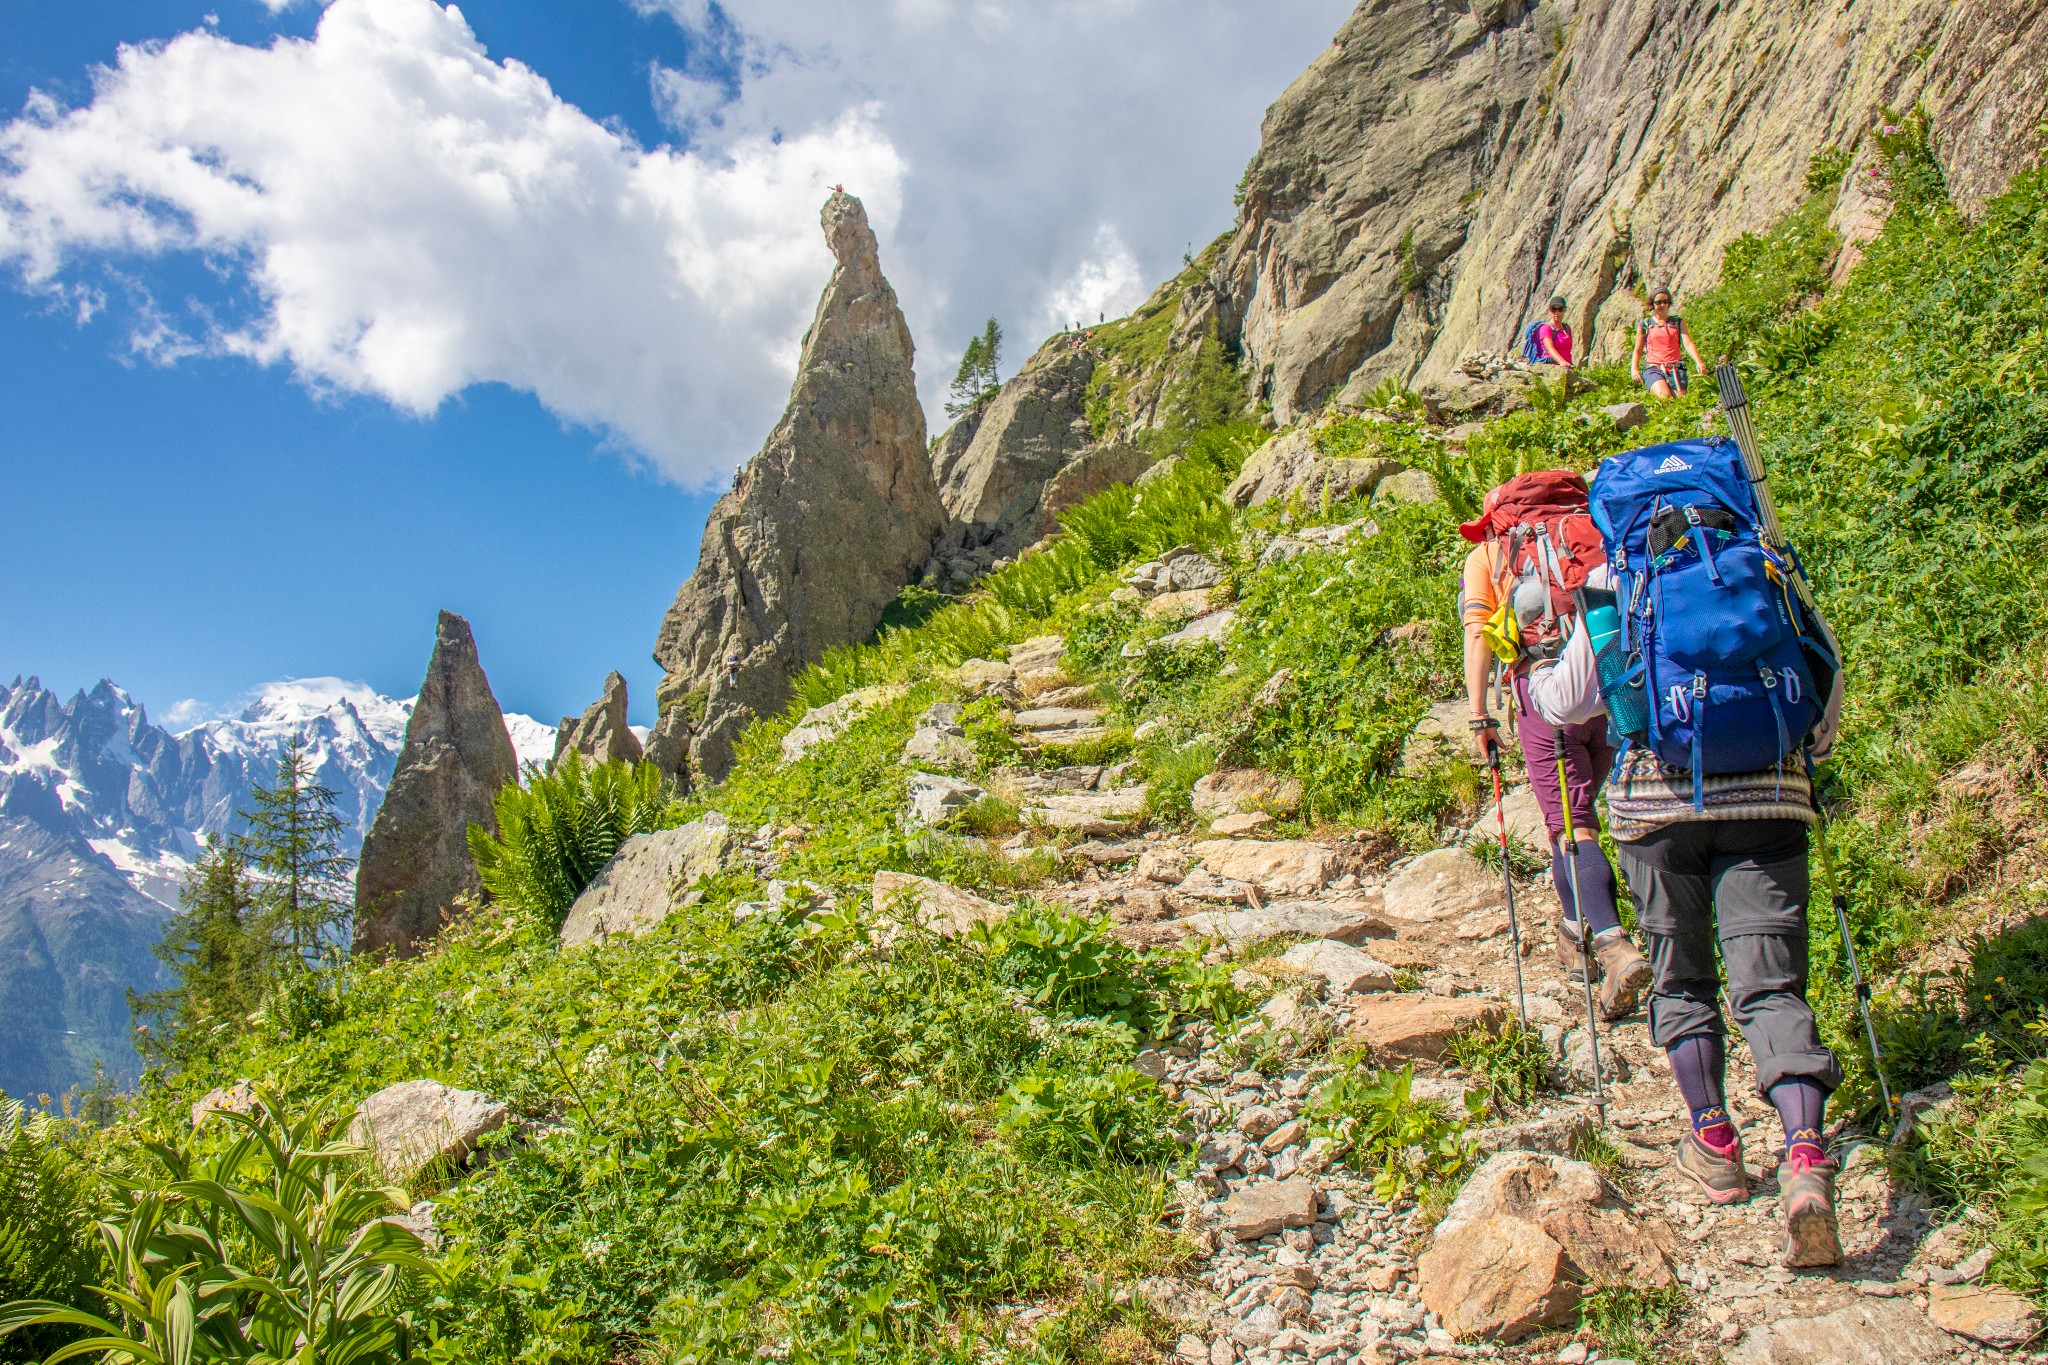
column 1442, row 168
column 821, row 529
column 601, row 733
column 457, row 756
column 1008, row 468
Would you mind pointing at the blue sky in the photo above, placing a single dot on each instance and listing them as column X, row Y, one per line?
column 315, row 321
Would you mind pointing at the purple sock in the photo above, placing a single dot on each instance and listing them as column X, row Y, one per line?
column 1698, row 1065
column 1561, row 878
column 1801, row 1103
column 1596, row 888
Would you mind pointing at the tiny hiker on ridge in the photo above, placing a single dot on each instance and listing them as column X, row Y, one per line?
column 1662, row 343
column 1535, row 546
column 1721, row 688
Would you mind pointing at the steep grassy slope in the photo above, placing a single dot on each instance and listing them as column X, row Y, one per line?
column 767, row 1134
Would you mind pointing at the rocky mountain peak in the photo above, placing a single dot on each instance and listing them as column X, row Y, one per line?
column 457, row 756
column 824, row 526
column 601, row 733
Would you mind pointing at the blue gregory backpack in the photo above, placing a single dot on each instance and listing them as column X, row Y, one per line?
column 1716, row 639
column 1532, row 344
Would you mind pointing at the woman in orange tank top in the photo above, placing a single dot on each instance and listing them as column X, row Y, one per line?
column 1662, row 343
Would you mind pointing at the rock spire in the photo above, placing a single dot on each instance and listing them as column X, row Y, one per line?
column 457, row 756
column 602, row 734
column 821, row 529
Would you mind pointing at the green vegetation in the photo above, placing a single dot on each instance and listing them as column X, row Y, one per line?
column 559, row 830
column 1412, row 1148
column 1512, row 1063
column 1629, row 1318
column 47, row 1206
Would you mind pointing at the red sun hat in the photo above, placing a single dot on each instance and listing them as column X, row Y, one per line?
column 1475, row 530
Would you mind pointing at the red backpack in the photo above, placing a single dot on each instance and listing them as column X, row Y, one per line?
column 1547, row 538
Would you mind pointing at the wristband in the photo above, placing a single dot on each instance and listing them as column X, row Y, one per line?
column 1478, row 723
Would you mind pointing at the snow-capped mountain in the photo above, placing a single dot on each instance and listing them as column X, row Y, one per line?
column 102, row 814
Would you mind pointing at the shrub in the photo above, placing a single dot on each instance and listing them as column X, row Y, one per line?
column 1069, row 964
column 1414, row 1148
column 1086, row 1119
column 560, row 829
column 46, row 1216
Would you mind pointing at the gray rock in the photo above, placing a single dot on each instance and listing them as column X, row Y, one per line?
column 457, row 756
column 844, row 482
column 822, row 723
column 939, row 741
column 668, row 745
column 1208, row 629
column 1288, row 466
column 1411, row 485
column 1342, row 968
column 1626, row 416
column 601, row 734
column 1259, row 1210
column 945, row 910
column 1869, row 1332
column 646, row 880
column 1555, row 1134
column 409, row 1127
column 1353, row 920
column 936, row 798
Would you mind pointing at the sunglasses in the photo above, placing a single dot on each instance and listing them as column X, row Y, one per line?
column 1662, row 299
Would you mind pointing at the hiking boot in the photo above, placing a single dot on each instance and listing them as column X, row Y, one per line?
column 1624, row 973
column 1571, row 957
column 1806, row 1188
column 1720, row 1177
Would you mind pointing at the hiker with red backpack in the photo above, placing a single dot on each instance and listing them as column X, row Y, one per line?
column 1701, row 650
column 1535, row 546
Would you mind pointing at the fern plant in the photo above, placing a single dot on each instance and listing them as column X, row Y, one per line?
column 265, row 1251
column 558, row 831
column 46, row 1213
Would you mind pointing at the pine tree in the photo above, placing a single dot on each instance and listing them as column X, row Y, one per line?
column 976, row 381
column 215, row 945
column 305, row 883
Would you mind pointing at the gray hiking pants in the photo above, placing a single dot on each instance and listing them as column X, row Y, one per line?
column 1746, row 882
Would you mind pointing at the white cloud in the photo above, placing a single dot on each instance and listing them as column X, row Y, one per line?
column 1060, row 154
column 1108, row 284
column 397, row 214
column 411, row 218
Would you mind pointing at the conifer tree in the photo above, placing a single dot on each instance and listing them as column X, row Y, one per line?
column 977, row 380
column 304, row 881
column 216, row 947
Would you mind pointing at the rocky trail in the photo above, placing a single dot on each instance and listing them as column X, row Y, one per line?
column 1303, row 1262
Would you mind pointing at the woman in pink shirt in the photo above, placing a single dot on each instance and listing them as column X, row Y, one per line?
column 1555, row 336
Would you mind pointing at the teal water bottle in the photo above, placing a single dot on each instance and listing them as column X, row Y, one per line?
column 1626, row 706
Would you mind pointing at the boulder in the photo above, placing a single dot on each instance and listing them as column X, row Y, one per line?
column 1179, row 605
column 646, row 879
column 1410, row 485
column 1419, row 1028
column 1237, row 791
column 1049, row 722
column 1339, row 966
column 1525, row 822
column 1039, row 654
column 409, row 1127
column 1524, row 1236
column 844, row 481
column 936, row 799
column 980, row 677
column 831, row 720
column 1234, row 826
column 668, row 745
column 1262, row 1209
column 1983, row 1313
column 939, row 740
column 1869, row 1332
column 1289, row 466
column 601, row 734
column 945, row 910
column 1091, row 813
column 1291, row 867
column 1208, row 630
column 1353, row 920
column 457, row 757
column 1555, row 1133
column 1444, row 886
column 1626, row 416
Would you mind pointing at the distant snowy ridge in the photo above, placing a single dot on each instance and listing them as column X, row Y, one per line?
column 102, row 814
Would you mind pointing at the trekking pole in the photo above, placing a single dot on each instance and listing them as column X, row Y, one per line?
column 1571, row 842
column 1827, row 866
column 1507, row 880
column 1735, row 403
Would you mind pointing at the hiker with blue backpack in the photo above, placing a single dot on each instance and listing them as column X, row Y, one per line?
column 1721, row 687
column 1549, row 341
